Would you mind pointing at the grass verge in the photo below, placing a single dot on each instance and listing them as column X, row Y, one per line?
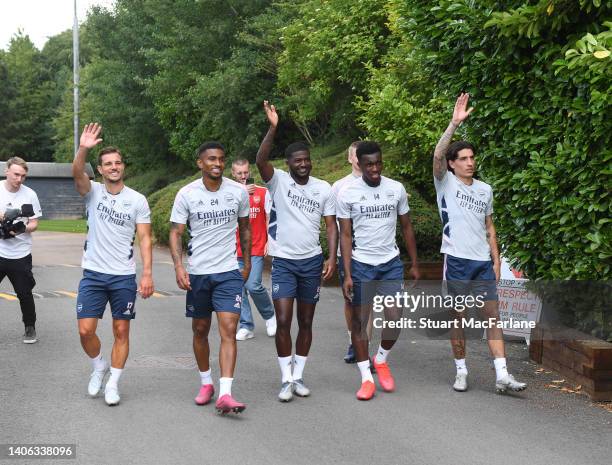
column 71, row 226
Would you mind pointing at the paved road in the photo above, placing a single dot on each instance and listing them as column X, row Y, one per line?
column 43, row 394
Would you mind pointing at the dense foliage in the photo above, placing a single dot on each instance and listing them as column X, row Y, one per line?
column 175, row 73
column 26, row 100
column 540, row 76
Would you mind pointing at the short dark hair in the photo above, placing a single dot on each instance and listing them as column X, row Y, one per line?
column 209, row 145
column 367, row 147
column 296, row 147
column 106, row 151
column 453, row 151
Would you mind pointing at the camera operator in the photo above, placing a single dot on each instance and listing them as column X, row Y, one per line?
column 15, row 251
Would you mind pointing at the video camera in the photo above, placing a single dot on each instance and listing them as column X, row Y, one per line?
column 8, row 223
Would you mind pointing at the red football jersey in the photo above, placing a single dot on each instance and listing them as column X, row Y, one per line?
column 259, row 203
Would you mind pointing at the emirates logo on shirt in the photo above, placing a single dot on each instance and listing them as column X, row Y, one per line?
column 470, row 203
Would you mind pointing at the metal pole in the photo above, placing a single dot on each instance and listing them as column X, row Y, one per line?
column 75, row 70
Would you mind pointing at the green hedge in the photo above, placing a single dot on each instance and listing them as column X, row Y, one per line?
column 150, row 181
column 161, row 203
column 540, row 74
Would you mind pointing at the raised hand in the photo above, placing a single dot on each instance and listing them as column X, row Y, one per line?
column 461, row 111
column 91, row 136
column 271, row 113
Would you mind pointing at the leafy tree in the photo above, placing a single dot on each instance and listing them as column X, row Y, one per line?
column 233, row 94
column 26, row 132
column 189, row 39
column 402, row 108
column 328, row 49
column 112, row 88
column 7, row 94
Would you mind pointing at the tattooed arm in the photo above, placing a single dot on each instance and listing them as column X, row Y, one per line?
column 460, row 114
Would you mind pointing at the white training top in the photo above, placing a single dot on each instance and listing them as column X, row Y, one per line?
column 373, row 212
column 212, row 219
column 21, row 245
column 295, row 218
column 335, row 189
column 463, row 210
column 111, row 229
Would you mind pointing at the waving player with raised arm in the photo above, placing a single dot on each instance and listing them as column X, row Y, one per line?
column 116, row 214
column 298, row 203
column 469, row 244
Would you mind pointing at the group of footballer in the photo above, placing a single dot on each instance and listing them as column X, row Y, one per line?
column 233, row 224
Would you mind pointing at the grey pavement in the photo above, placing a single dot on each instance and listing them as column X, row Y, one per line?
column 43, row 396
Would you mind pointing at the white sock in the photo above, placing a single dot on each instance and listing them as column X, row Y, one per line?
column 285, row 367
column 461, row 366
column 381, row 355
column 225, row 386
column 98, row 363
column 114, row 376
column 298, row 367
column 350, row 340
column 364, row 369
column 205, row 377
column 500, row 367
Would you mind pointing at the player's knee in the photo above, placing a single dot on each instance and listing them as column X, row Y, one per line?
column 305, row 324
column 86, row 332
column 283, row 324
column 359, row 319
column 122, row 334
column 283, row 321
column 356, row 326
column 228, row 336
column 490, row 310
column 200, row 331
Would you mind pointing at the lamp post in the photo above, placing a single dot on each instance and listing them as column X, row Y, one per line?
column 75, row 72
